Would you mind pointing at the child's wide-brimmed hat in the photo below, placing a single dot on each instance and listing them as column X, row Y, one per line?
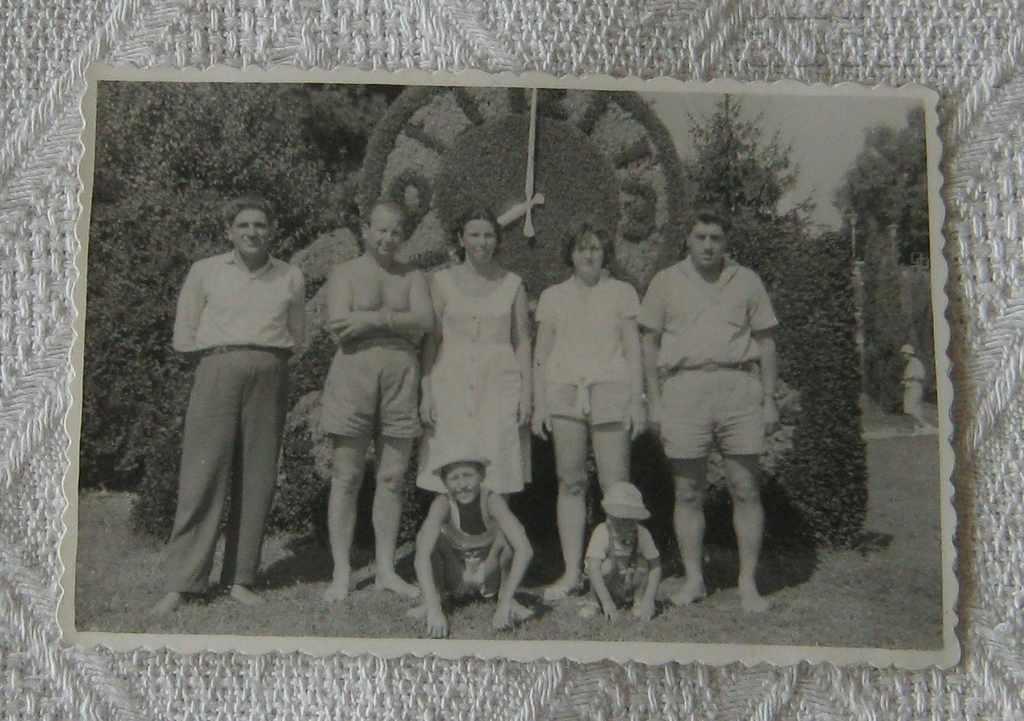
column 623, row 500
column 451, row 456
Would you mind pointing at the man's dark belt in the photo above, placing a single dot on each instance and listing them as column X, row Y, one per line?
column 745, row 366
column 218, row 349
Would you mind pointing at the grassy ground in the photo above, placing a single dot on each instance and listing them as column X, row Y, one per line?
column 886, row 593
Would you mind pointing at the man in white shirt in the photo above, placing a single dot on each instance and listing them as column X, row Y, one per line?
column 710, row 367
column 242, row 313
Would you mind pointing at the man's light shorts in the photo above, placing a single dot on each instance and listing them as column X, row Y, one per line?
column 375, row 384
column 701, row 406
column 603, row 402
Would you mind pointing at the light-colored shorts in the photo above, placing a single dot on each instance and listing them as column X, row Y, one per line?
column 601, row 402
column 375, row 384
column 699, row 407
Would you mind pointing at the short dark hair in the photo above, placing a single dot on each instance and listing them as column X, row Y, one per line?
column 477, row 212
column 249, row 201
column 579, row 230
column 708, row 216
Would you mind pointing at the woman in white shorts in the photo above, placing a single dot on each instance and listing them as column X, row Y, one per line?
column 588, row 384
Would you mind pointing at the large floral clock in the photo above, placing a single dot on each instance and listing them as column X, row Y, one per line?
column 601, row 155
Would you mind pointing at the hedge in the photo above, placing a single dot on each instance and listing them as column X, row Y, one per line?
column 590, row 190
column 824, row 476
column 885, row 320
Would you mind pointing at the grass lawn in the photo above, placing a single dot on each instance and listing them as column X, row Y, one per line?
column 884, row 594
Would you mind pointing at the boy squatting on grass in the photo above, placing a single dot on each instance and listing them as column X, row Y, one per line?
column 622, row 562
column 470, row 545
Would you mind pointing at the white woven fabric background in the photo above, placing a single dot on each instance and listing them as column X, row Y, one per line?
column 968, row 50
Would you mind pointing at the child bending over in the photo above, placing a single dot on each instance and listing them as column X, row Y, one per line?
column 470, row 545
column 622, row 562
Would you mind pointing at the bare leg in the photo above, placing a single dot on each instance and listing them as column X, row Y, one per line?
column 611, row 451
column 570, row 438
column 519, row 611
column 688, row 519
column 387, row 513
column 346, row 480
column 748, row 519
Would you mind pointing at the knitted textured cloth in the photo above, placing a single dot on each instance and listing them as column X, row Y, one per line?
column 968, row 50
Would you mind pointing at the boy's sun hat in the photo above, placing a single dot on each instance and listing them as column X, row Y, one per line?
column 451, row 456
column 907, row 348
column 623, row 500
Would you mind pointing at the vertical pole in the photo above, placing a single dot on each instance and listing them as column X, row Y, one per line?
column 528, row 230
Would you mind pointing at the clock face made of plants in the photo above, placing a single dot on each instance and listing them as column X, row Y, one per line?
column 598, row 155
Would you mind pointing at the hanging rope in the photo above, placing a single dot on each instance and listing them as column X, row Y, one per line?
column 531, row 199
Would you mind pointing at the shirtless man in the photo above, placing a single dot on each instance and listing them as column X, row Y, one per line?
column 378, row 308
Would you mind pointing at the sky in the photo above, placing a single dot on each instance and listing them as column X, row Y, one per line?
column 826, row 133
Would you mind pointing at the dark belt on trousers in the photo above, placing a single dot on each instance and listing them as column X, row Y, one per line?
column 746, row 366
column 219, row 349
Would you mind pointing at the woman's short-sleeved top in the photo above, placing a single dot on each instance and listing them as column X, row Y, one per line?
column 587, row 322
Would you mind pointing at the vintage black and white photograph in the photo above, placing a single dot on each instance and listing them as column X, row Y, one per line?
column 564, row 368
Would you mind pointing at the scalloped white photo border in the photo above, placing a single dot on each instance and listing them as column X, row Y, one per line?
column 583, row 651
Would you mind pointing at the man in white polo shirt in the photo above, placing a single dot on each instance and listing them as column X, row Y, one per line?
column 242, row 313
column 710, row 369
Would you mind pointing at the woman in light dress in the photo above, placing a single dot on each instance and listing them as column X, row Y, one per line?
column 588, row 384
column 476, row 386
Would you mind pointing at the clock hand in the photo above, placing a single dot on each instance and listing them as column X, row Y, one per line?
column 518, row 210
column 528, row 223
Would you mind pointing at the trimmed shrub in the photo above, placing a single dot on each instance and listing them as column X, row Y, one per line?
column 885, row 320
column 824, row 476
column 432, row 126
column 590, row 190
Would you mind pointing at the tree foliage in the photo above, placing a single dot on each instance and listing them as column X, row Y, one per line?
column 888, row 185
column 824, row 475
column 736, row 168
column 885, row 320
column 745, row 175
column 167, row 156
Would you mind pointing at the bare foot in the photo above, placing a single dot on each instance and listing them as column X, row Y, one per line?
column 751, row 600
column 561, row 589
column 519, row 611
column 168, row 604
column 245, row 595
column 417, row 613
column 391, row 582
column 693, row 590
column 337, row 590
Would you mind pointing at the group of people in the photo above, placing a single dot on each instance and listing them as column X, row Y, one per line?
column 449, row 361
